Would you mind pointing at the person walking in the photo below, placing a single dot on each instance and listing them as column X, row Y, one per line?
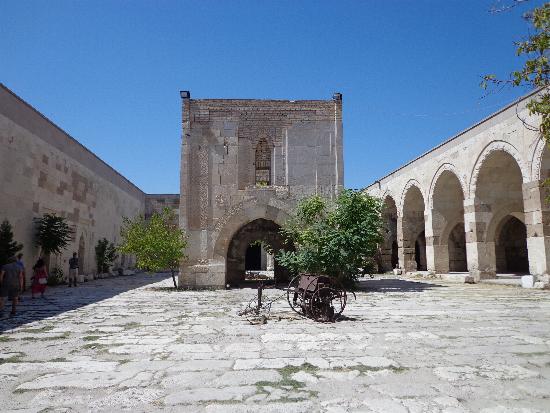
column 39, row 278
column 22, row 266
column 73, row 269
column 11, row 280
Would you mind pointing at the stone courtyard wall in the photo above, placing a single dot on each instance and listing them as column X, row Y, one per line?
column 220, row 191
column 44, row 170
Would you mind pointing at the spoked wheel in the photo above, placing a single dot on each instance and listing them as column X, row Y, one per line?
column 327, row 304
column 293, row 296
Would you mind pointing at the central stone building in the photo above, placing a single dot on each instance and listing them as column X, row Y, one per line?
column 244, row 165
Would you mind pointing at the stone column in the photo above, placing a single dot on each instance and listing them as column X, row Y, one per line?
column 270, row 262
column 437, row 250
column 405, row 246
column 537, row 222
column 430, row 241
column 480, row 253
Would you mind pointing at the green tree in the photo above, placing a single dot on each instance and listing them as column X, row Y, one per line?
column 157, row 243
column 536, row 68
column 339, row 238
column 105, row 255
column 8, row 247
column 52, row 234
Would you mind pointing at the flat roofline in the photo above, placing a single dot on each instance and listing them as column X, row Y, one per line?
column 459, row 134
column 68, row 135
column 261, row 100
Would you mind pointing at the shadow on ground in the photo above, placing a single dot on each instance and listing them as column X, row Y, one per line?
column 60, row 299
column 394, row 285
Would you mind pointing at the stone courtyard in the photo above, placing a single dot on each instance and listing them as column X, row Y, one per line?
column 129, row 343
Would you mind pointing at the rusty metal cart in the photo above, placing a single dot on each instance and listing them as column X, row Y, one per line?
column 319, row 297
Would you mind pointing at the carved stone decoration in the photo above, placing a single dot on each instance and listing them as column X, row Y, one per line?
column 203, row 185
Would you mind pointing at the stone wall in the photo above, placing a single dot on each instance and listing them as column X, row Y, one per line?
column 474, row 183
column 44, row 170
column 157, row 202
column 226, row 183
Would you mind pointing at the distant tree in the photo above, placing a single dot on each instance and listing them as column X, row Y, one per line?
column 339, row 238
column 158, row 243
column 8, row 247
column 535, row 72
column 105, row 255
column 52, row 234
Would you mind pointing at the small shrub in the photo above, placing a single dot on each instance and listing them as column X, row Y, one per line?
column 56, row 277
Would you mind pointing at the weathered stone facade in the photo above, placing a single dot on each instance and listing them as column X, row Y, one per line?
column 44, row 170
column 474, row 203
column 249, row 160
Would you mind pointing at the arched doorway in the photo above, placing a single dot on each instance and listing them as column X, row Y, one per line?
column 241, row 254
column 511, row 247
column 457, row 249
column 420, row 252
column 388, row 251
column 499, row 202
column 414, row 240
column 449, row 244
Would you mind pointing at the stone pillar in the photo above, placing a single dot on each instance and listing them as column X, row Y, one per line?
column 480, row 253
column 437, row 250
column 263, row 259
column 270, row 262
column 430, row 241
column 405, row 246
column 537, row 222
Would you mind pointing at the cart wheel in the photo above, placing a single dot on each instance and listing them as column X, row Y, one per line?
column 327, row 304
column 294, row 297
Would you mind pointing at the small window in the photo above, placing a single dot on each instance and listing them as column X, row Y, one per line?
column 263, row 163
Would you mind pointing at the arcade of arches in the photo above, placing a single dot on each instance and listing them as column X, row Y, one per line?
column 500, row 226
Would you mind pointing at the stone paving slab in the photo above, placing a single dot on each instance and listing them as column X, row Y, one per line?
column 130, row 343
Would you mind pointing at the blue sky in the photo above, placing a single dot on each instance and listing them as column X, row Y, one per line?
column 110, row 72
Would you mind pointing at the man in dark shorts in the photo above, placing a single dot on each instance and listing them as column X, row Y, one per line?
column 11, row 281
column 73, row 269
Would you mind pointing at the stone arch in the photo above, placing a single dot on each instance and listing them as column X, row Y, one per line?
column 410, row 183
column 498, row 197
column 447, row 211
column 511, row 246
column 242, row 214
column 446, row 167
column 537, row 167
column 260, row 229
column 542, row 171
column 492, row 147
column 412, row 226
column 388, row 250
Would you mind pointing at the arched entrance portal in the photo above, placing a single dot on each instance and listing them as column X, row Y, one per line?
column 241, row 255
column 420, row 252
column 511, row 247
column 449, row 238
column 499, row 200
column 414, row 239
column 457, row 249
